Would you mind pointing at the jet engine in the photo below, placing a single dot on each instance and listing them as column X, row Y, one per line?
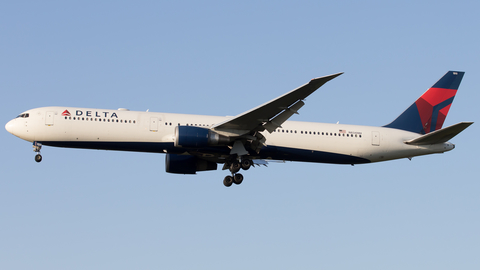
column 194, row 137
column 186, row 164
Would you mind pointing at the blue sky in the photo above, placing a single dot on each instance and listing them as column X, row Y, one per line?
column 87, row 209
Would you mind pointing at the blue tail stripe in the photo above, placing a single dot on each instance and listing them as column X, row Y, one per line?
column 410, row 121
column 451, row 80
column 436, row 111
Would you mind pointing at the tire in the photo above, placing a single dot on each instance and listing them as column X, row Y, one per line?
column 235, row 167
column 246, row 164
column 238, row 179
column 228, row 181
column 38, row 158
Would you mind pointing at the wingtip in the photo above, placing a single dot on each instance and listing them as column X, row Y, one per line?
column 328, row 77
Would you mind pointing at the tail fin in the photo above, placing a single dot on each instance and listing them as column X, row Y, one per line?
column 428, row 113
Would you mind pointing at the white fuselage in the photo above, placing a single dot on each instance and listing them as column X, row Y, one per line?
column 154, row 132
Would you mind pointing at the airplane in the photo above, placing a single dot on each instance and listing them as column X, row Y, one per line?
column 195, row 143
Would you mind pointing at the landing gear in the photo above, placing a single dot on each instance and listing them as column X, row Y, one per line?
column 238, row 178
column 36, row 148
column 246, row 164
column 234, row 167
column 228, row 181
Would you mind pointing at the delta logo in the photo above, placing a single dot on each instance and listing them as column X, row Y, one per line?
column 91, row 114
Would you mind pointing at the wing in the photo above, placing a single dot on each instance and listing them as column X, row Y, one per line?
column 272, row 114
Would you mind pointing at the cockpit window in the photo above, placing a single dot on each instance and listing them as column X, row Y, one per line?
column 23, row 115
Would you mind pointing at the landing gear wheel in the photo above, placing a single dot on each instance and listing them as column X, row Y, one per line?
column 228, row 181
column 38, row 158
column 235, row 167
column 246, row 164
column 238, row 179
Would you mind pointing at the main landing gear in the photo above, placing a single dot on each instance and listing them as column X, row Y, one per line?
column 36, row 148
column 234, row 167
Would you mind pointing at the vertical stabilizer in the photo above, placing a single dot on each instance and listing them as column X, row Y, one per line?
column 428, row 112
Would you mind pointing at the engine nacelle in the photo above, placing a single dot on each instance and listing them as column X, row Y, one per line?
column 186, row 164
column 195, row 137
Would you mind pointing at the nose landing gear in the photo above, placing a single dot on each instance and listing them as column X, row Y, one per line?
column 36, row 148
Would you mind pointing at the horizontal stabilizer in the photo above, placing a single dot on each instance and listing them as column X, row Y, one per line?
column 441, row 135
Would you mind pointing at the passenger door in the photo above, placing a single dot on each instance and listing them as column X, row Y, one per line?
column 49, row 118
column 154, row 124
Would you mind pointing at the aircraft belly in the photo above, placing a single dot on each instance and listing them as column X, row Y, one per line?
column 152, row 147
column 314, row 148
column 307, row 155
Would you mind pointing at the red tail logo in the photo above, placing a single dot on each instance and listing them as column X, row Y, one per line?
column 66, row 113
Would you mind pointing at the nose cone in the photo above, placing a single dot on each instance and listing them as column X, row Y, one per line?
column 18, row 127
column 10, row 126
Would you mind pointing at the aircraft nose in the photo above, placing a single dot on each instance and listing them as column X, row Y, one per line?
column 10, row 126
column 15, row 127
